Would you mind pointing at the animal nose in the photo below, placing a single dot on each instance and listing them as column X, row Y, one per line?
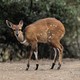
column 16, row 34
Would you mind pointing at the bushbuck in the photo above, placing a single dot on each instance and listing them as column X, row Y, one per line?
column 47, row 30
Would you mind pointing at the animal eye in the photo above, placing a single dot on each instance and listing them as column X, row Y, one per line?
column 14, row 30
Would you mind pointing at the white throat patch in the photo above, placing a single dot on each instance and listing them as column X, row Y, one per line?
column 25, row 42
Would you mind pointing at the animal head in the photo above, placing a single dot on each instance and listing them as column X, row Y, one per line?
column 16, row 28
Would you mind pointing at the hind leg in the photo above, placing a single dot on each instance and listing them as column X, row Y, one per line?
column 58, row 46
column 55, row 58
column 60, row 56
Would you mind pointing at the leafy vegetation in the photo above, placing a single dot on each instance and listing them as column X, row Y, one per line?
column 67, row 11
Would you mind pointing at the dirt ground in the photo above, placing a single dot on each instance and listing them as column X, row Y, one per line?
column 70, row 70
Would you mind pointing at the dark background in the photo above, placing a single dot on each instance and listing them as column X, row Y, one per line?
column 67, row 11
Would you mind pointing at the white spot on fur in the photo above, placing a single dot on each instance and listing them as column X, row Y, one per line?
column 53, row 25
column 49, row 37
column 49, row 32
column 40, row 34
column 52, row 34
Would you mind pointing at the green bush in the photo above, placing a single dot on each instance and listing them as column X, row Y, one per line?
column 31, row 10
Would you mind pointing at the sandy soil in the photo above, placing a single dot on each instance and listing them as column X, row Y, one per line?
column 70, row 70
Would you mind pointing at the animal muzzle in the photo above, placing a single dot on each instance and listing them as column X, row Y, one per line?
column 16, row 33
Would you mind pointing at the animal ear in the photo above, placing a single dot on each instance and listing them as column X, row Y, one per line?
column 21, row 23
column 9, row 24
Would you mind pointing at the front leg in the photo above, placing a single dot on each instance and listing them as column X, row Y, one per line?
column 28, row 64
column 36, row 57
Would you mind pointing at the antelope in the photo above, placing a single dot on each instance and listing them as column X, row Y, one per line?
column 47, row 30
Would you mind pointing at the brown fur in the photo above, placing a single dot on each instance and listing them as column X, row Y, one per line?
column 48, row 30
column 43, row 29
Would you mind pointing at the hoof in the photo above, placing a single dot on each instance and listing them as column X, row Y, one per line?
column 59, row 67
column 27, row 67
column 52, row 66
column 37, row 65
